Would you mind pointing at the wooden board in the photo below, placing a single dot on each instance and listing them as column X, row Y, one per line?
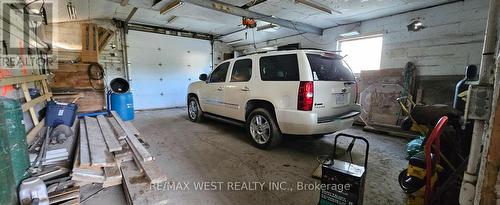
column 89, row 42
column 30, row 104
column 137, row 189
column 113, row 176
column 84, row 146
column 117, row 128
column 99, row 154
column 86, row 175
column 132, row 128
column 150, row 169
column 135, row 145
column 63, row 198
column 108, row 134
column 21, row 79
column 27, row 96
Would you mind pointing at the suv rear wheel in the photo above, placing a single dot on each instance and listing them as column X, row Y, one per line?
column 194, row 111
column 263, row 129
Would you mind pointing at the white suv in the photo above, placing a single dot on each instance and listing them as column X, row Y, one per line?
column 297, row 92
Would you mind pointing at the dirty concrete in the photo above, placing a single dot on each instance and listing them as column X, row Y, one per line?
column 216, row 152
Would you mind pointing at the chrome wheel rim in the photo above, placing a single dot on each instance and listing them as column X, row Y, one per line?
column 260, row 129
column 193, row 109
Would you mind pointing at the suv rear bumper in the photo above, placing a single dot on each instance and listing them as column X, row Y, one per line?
column 307, row 123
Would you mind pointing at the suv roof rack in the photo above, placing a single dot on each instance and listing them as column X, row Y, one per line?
column 290, row 49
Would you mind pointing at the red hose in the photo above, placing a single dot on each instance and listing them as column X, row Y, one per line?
column 433, row 139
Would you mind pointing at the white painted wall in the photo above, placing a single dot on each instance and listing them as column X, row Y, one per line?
column 453, row 38
column 162, row 67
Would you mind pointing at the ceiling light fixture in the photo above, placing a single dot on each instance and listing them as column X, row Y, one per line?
column 71, row 10
column 316, row 6
column 350, row 33
column 267, row 27
column 415, row 25
column 171, row 19
column 170, row 7
column 234, row 42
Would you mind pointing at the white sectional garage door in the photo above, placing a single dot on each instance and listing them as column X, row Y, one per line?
column 162, row 67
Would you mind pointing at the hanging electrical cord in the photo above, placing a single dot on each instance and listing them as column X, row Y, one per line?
column 253, row 36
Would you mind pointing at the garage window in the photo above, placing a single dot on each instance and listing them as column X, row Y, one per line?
column 242, row 71
column 362, row 53
column 219, row 74
column 279, row 68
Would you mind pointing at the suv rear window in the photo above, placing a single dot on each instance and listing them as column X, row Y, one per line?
column 279, row 68
column 325, row 68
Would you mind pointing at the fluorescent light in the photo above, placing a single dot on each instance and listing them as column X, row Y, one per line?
column 234, row 42
column 315, row 6
column 269, row 48
column 170, row 7
column 171, row 19
column 350, row 33
column 266, row 27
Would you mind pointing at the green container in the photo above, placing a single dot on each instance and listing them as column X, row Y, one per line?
column 8, row 191
column 12, row 129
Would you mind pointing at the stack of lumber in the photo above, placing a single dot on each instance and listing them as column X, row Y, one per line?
column 68, row 196
column 107, row 144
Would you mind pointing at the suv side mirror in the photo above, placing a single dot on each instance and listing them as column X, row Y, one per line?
column 203, row 77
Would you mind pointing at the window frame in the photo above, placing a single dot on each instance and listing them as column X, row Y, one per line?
column 340, row 40
column 219, row 66
column 233, row 69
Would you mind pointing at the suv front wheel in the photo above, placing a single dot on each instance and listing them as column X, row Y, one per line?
column 263, row 129
column 194, row 111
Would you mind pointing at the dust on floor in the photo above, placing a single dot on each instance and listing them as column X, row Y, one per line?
column 192, row 153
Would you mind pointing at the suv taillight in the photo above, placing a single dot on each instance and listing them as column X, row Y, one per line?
column 306, row 96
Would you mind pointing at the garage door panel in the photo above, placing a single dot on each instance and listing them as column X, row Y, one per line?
column 162, row 67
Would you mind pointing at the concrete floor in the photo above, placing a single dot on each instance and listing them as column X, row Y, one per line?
column 216, row 152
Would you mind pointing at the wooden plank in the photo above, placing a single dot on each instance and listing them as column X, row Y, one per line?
column 137, row 188
column 99, row 154
column 30, row 104
column 132, row 128
column 84, row 146
column 27, row 96
column 117, row 128
column 113, row 176
column 45, row 86
column 65, row 197
column 132, row 140
column 109, row 136
column 150, row 169
column 72, row 202
column 34, row 132
column 64, row 192
column 21, row 79
column 86, row 175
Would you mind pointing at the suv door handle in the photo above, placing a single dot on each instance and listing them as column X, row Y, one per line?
column 245, row 89
column 220, row 89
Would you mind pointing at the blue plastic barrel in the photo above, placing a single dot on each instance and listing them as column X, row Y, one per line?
column 123, row 104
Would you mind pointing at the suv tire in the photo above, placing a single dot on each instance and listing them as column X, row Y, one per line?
column 263, row 129
column 195, row 113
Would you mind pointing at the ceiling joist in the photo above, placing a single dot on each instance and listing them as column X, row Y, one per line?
column 237, row 11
